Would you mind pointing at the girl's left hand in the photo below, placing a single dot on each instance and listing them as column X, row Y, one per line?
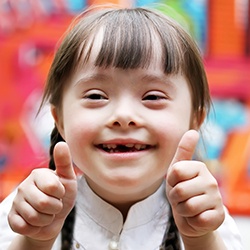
column 193, row 192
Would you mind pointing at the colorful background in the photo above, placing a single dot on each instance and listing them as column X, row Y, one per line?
column 29, row 31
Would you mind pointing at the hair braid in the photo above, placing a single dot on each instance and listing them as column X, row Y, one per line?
column 171, row 239
column 55, row 137
column 68, row 226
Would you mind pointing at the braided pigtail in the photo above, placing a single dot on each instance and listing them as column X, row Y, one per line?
column 55, row 137
column 68, row 226
column 68, row 230
column 171, row 239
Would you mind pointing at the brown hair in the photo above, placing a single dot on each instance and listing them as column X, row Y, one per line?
column 129, row 42
column 129, row 38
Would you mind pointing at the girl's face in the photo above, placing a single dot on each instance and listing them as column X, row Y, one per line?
column 123, row 127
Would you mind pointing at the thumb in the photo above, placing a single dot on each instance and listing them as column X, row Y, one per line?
column 63, row 162
column 186, row 147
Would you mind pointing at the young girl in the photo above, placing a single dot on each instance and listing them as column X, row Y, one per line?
column 128, row 93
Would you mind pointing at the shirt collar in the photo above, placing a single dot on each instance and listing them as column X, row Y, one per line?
column 111, row 218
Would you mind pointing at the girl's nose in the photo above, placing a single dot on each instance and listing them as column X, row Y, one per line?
column 125, row 115
column 123, row 123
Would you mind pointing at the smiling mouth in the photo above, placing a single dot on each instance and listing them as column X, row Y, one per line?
column 120, row 148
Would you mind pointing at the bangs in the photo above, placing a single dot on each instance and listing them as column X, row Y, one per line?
column 132, row 38
column 127, row 39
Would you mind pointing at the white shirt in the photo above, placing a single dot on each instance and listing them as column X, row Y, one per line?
column 99, row 225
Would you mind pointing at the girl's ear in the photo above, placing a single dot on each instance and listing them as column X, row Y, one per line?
column 198, row 119
column 58, row 120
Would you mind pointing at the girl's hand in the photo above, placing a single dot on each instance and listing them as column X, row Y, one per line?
column 45, row 198
column 193, row 192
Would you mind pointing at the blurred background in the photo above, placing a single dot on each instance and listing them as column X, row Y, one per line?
column 29, row 32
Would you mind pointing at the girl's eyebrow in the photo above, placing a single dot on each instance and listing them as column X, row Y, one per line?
column 91, row 77
column 147, row 78
column 157, row 78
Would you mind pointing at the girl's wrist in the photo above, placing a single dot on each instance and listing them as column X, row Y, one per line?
column 22, row 242
column 209, row 241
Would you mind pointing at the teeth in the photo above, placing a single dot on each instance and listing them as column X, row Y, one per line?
column 114, row 147
column 138, row 146
column 143, row 147
column 110, row 146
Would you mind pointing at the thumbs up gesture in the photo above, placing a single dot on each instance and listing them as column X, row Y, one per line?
column 44, row 199
column 193, row 192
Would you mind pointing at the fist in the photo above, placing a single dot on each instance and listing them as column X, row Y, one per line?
column 45, row 198
column 192, row 191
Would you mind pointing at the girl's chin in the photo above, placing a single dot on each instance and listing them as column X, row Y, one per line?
column 126, row 185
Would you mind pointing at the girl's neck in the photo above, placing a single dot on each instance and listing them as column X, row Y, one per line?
column 124, row 209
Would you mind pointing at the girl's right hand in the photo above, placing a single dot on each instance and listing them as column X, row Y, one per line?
column 45, row 198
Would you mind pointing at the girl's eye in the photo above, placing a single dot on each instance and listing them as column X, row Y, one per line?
column 95, row 97
column 153, row 98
